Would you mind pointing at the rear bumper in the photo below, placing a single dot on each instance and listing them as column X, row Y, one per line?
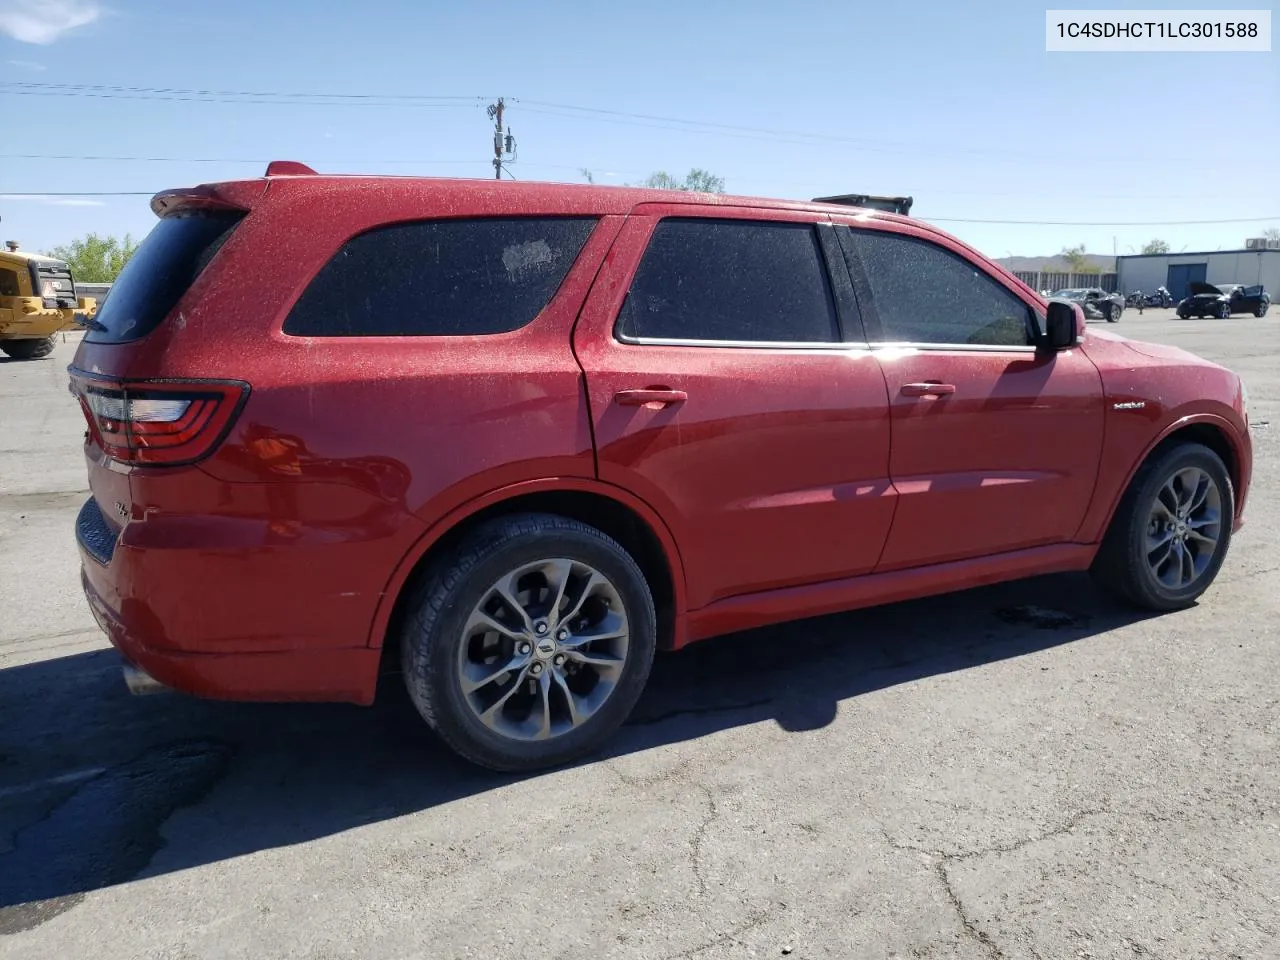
column 344, row 675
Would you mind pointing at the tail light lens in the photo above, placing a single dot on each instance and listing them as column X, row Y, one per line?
column 159, row 424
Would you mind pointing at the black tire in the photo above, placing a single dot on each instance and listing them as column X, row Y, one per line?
column 1262, row 310
column 1183, row 316
column 1121, row 565
column 1224, row 312
column 437, row 610
column 1113, row 313
column 28, row 349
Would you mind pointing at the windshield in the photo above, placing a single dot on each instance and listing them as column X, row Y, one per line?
column 1072, row 294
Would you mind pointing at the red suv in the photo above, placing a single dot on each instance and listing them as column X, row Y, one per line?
column 520, row 435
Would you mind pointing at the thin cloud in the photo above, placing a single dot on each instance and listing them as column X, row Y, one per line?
column 53, row 201
column 26, row 65
column 44, row 21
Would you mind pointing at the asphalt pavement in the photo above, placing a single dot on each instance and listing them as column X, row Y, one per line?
column 1024, row 771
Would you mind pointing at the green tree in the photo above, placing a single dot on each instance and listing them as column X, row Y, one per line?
column 697, row 181
column 95, row 259
column 587, row 175
column 1078, row 260
column 1155, row 246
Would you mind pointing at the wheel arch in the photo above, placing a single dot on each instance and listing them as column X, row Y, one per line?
column 612, row 510
column 1210, row 430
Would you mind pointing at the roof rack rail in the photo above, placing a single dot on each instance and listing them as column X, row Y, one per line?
column 899, row 205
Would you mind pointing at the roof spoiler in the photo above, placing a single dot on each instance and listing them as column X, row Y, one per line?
column 898, row 205
column 234, row 195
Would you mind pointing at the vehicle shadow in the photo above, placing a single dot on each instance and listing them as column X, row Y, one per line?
column 89, row 775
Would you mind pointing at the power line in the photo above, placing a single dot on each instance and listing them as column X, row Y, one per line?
column 544, row 107
column 182, row 91
column 811, row 186
column 36, row 194
column 67, row 156
column 247, row 101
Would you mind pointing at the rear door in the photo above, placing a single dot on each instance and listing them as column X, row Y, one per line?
column 724, row 393
column 995, row 446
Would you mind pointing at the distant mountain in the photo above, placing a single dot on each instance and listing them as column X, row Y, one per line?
column 1055, row 264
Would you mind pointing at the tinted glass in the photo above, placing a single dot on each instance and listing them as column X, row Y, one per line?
column 731, row 280
column 925, row 294
column 440, row 278
column 175, row 252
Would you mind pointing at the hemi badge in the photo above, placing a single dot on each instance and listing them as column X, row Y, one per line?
column 1129, row 405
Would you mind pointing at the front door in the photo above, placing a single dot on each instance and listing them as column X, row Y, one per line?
column 723, row 392
column 995, row 446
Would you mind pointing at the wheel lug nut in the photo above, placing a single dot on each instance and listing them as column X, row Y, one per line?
column 524, row 649
column 562, row 635
column 540, row 627
column 536, row 669
column 559, row 660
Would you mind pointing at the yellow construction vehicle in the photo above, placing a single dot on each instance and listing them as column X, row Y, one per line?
column 38, row 300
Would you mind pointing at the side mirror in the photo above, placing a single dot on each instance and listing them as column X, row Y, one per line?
column 1060, row 328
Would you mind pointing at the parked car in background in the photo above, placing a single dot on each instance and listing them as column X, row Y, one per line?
column 1224, row 299
column 1096, row 303
column 515, row 437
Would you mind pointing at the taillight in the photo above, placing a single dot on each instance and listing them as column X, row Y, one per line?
column 159, row 424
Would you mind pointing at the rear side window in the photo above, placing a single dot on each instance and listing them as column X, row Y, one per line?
column 731, row 280
column 440, row 278
column 925, row 294
column 175, row 252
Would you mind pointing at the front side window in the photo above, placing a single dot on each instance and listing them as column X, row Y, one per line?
column 731, row 280
column 440, row 278
column 925, row 294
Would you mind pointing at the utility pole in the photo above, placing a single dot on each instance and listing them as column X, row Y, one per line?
column 502, row 144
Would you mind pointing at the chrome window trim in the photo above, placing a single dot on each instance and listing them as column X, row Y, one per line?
column 814, row 345
column 953, row 347
column 741, row 344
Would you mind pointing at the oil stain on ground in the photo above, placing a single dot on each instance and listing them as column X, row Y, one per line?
column 105, row 833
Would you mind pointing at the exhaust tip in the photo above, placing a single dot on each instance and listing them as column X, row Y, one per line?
column 141, row 683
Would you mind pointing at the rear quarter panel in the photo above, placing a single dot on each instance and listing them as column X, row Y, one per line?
column 350, row 447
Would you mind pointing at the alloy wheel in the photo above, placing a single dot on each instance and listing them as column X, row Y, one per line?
column 543, row 649
column 1184, row 528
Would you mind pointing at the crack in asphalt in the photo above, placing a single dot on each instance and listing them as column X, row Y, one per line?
column 105, row 832
column 699, row 837
column 730, row 936
column 1068, row 825
column 966, row 922
column 941, row 860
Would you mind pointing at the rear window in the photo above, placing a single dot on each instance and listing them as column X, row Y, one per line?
column 440, row 278
column 175, row 252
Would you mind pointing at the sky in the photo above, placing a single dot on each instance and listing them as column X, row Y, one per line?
column 957, row 105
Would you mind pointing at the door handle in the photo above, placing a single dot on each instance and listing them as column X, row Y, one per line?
column 927, row 389
column 642, row 398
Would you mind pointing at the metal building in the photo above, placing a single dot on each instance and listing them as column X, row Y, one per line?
column 1175, row 271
